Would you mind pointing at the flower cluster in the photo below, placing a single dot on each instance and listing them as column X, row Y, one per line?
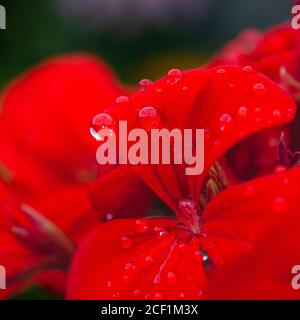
column 149, row 231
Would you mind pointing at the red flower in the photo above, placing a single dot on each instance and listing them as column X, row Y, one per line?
column 48, row 162
column 275, row 53
column 180, row 256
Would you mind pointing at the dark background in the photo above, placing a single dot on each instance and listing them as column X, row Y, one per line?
column 139, row 38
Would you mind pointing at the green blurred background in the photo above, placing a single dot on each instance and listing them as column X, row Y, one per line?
column 139, row 38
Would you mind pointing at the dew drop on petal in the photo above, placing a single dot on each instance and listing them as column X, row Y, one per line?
column 109, row 216
column 185, row 88
column 141, row 225
column 126, row 242
column 174, row 76
column 259, row 89
column 99, row 122
column 137, row 293
column 257, row 110
column 149, row 118
column 161, row 233
column 144, row 84
column 122, row 100
column 243, row 111
column 221, row 71
column 280, row 205
column 157, row 279
column 149, row 260
column 128, row 267
column 109, row 284
column 279, row 169
column 225, row 122
column 248, row 69
column 157, row 296
column 171, row 279
column 276, row 114
column 200, row 293
column 116, row 296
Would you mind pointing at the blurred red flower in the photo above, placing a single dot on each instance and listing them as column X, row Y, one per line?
column 48, row 162
column 180, row 256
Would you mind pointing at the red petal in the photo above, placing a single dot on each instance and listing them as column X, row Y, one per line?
column 126, row 260
column 212, row 99
column 46, row 117
column 120, row 193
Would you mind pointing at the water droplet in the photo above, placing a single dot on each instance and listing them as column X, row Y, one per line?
column 109, row 284
column 109, row 217
column 157, row 279
column 128, row 267
column 171, row 279
column 158, row 90
column 126, row 242
column 200, row 293
column 280, row 205
column 149, row 118
column 116, row 296
column 125, row 278
column 248, row 69
column 259, row 89
column 221, row 71
column 101, row 121
column 276, row 113
column 149, row 260
column 144, row 84
column 158, row 296
column 185, row 88
column 141, row 225
column 257, row 110
column 137, row 293
column 279, row 169
column 181, row 295
column 122, row 100
column 226, row 122
column 243, row 111
column 161, row 233
column 174, row 76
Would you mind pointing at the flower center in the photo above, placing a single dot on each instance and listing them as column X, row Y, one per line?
column 188, row 216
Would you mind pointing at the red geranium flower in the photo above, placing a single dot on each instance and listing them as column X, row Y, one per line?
column 275, row 53
column 48, row 161
column 179, row 257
